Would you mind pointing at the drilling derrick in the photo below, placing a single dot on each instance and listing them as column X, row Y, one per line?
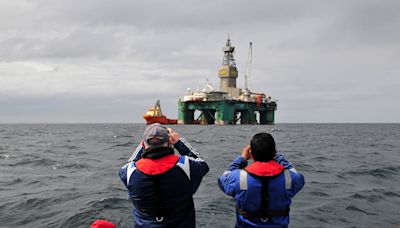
column 228, row 72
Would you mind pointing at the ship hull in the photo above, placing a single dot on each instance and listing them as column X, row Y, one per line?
column 159, row 119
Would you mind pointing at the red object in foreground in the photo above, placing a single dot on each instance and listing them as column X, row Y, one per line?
column 102, row 224
column 154, row 115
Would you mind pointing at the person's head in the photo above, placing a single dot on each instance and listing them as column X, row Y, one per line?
column 263, row 147
column 155, row 136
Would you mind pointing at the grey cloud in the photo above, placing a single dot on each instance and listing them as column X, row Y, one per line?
column 156, row 30
column 175, row 14
column 325, row 55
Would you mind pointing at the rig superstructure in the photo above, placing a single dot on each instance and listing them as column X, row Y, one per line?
column 229, row 104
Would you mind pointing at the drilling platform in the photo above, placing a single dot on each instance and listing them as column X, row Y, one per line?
column 229, row 104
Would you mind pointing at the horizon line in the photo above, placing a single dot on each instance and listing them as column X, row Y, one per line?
column 201, row 124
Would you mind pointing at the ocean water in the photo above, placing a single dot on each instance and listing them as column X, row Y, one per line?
column 66, row 175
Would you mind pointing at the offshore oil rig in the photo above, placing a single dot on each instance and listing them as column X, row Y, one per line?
column 229, row 104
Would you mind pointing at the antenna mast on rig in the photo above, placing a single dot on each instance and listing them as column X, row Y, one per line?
column 248, row 73
column 248, row 67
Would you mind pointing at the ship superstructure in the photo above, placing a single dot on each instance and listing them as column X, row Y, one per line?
column 229, row 104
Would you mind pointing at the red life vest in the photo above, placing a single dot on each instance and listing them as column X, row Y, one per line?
column 156, row 166
column 265, row 169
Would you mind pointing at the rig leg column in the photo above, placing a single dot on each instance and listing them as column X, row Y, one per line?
column 226, row 113
column 185, row 116
column 252, row 115
column 270, row 117
column 252, row 118
column 207, row 116
column 263, row 117
column 244, row 117
column 271, row 113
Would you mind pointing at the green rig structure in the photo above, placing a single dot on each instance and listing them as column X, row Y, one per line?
column 229, row 105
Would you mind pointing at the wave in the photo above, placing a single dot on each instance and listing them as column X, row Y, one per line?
column 11, row 182
column 4, row 156
column 127, row 144
column 123, row 136
column 385, row 172
column 68, row 147
column 35, row 162
column 34, row 210
column 95, row 209
column 318, row 194
column 356, row 209
column 75, row 166
column 46, row 162
column 375, row 195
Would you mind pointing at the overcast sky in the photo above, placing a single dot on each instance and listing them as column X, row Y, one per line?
column 108, row 61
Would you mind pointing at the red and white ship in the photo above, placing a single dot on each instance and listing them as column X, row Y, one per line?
column 154, row 115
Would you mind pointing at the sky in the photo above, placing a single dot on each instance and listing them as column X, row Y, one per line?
column 103, row 61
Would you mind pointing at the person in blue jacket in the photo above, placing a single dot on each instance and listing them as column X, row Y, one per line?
column 262, row 190
column 161, row 184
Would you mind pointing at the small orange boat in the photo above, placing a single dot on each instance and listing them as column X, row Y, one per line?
column 154, row 115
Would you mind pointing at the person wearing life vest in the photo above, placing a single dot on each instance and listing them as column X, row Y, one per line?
column 161, row 184
column 262, row 190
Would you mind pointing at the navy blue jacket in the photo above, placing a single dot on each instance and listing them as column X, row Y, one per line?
column 161, row 189
column 245, row 184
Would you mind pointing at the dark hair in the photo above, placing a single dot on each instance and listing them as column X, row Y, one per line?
column 263, row 147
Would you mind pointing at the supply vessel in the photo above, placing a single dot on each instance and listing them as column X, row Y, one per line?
column 154, row 115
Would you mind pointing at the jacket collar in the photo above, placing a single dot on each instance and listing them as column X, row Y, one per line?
column 156, row 166
column 157, row 152
column 269, row 169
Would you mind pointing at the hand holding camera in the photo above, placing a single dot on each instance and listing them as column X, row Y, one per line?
column 173, row 136
column 246, row 152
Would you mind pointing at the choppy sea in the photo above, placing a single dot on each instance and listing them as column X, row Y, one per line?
column 66, row 175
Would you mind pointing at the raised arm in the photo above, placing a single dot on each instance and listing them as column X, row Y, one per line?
column 137, row 154
column 182, row 146
column 297, row 179
column 227, row 181
column 196, row 163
